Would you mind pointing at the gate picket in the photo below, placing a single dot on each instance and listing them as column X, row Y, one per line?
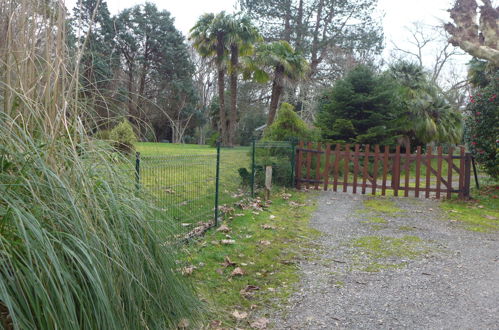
column 385, row 171
column 355, row 167
column 364, row 172
column 347, row 164
column 318, row 166
column 396, row 164
column 449, row 171
column 326, row 170
column 418, row 170
column 375, row 170
column 407, row 167
column 336, row 166
column 309, row 164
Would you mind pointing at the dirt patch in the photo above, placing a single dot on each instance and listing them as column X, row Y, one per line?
column 399, row 264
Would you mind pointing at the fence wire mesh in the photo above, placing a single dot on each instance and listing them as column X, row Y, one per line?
column 184, row 187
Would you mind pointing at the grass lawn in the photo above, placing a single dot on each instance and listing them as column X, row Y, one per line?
column 266, row 244
column 181, row 179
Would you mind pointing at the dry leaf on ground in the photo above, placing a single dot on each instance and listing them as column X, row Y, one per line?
column 223, row 229
column 227, row 241
column 267, row 226
column 261, row 323
column 228, row 263
column 265, row 242
column 491, row 217
column 239, row 315
column 237, row 272
column 183, row 324
column 188, row 270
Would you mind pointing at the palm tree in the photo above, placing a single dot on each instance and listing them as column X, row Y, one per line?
column 430, row 117
column 288, row 66
column 209, row 36
column 242, row 35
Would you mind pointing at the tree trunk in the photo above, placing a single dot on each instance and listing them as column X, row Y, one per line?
column 277, row 89
column 221, row 87
column 234, row 61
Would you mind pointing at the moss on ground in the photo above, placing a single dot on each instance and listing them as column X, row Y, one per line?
column 376, row 253
column 381, row 205
column 267, row 256
column 481, row 214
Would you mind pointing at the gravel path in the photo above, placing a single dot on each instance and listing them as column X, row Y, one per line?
column 452, row 284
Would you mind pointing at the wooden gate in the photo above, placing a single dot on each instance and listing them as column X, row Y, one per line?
column 384, row 172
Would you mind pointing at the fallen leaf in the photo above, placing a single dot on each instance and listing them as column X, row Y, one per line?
column 454, row 211
column 265, row 242
column 215, row 323
column 239, row 315
column 490, row 217
column 480, row 206
column 183, row 203
column 266, row 226
column 272, row 217
column 186, row 224
column 255, row 213
column 248, row 291
column 239, row 214
column 188, row 270
column 223, row 229
column 253, row 306
column 227, row 241
column 261, row 323
column 169, row 191
column 430, row 209
column 228, row 263
column 237, row 272
column 183, row 324
column 220, row 271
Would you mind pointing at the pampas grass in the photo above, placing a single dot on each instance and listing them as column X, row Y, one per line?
column 76, row 245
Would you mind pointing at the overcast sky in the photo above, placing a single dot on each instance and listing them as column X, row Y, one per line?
column 398, row 14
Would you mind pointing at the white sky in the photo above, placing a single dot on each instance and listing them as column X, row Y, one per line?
column 398, row 13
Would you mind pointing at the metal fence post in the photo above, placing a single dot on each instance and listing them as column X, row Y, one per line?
column 293, row 161
column 253, row 149
column 467, row 175
column 217, row 182
column 137, row 171
column 475, row 172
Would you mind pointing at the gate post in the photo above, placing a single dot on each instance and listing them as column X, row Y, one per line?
column 217, row 181
column 467, row 175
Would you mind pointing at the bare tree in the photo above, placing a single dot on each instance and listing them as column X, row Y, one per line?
column 475, row 29
column 429, row 47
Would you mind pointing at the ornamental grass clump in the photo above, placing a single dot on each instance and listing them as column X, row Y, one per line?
column 77, row 245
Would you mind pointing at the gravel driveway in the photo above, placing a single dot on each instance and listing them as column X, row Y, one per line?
column 448, row 279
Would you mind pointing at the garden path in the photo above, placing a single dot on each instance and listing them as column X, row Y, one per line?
column 401, row 263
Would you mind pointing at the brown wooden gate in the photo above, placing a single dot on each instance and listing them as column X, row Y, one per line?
column 384, row 172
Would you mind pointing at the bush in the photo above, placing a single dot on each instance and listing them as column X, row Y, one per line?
column 212, row 141
column 123, row 137
column 289, row 126
column 482, row 130
column 103, row 134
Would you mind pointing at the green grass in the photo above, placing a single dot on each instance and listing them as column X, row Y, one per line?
column 381, row 206
column 480, row 214
column 271, row 267
column 181, row 179
column 165, row 149
column 375, row 253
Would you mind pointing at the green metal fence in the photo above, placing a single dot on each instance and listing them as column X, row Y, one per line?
column 193, row 188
